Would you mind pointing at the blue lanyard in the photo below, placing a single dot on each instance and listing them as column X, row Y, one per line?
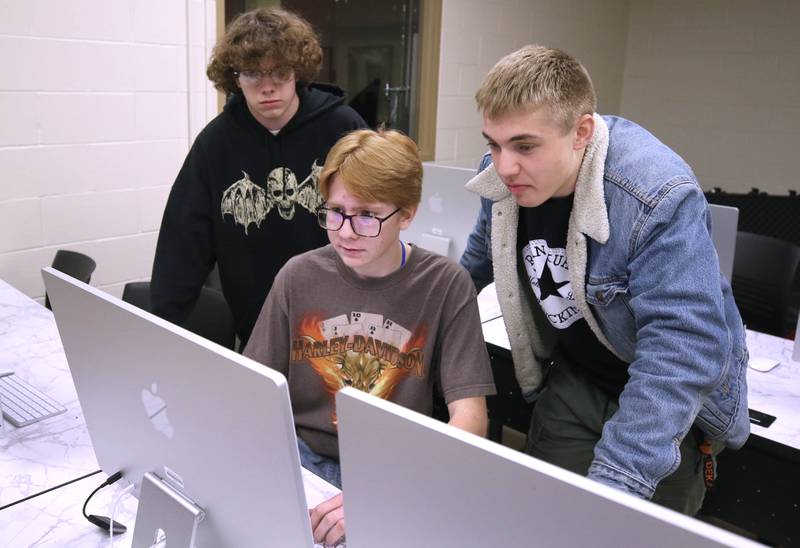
column 403, row 257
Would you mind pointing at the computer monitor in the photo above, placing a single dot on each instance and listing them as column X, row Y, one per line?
column 445, row 487
column 447, row 211
column 211, row 424
column 724, row 225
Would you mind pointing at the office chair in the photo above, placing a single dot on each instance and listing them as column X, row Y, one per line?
column 507, row 407
column 763, row 274
column 77, row 265
column 213, row 280
column 211, row 317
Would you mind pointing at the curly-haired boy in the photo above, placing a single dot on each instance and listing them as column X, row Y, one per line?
column 246, row 196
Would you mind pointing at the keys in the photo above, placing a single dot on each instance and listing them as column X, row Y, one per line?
column 23, row 404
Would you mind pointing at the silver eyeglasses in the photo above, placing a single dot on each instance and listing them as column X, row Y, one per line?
column 252, row 78
column 362, row 224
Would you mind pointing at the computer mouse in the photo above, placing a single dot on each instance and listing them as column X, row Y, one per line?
column 760, row 363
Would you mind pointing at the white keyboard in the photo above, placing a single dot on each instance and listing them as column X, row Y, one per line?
column 22, row 403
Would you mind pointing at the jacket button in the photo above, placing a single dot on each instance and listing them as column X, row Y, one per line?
column 600, row 296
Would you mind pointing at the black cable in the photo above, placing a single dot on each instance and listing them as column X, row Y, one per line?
column 60, row 485
column 104, row 522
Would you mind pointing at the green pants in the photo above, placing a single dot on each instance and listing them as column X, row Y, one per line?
column 568, row 421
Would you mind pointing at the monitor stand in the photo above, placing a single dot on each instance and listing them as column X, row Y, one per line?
column 165, row 514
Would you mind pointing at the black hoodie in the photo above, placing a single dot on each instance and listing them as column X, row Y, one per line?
column 245, row 199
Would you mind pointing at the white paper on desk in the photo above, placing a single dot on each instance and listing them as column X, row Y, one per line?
column 488, row 305
column 494, row 332
column 317, row 489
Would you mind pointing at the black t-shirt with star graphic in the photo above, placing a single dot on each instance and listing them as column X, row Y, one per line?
column 541, row 239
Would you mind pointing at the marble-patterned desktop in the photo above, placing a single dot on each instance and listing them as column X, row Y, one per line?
column 776, row 392
column 54, row 519
column 53, row 451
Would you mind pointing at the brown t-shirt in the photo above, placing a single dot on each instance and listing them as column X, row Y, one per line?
column 325, row 327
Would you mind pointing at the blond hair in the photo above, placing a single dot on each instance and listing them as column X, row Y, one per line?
column 534, row 77
column 376, row 166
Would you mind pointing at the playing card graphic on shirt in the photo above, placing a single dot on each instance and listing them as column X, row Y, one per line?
column 359, row 349
column 548, row 274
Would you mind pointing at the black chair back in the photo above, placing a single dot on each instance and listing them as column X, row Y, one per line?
column 138, row 294
column 211, row 317
column 75, row 264
column 763, row 274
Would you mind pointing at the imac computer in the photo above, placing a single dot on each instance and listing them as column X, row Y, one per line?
column 444, row 487
column 205, row 434
column 447, row 211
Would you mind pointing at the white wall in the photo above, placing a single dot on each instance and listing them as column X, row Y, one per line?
column 99, row 102
column 719, row 81
column 476, row 34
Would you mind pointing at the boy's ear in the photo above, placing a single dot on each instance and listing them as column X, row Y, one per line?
column 584, row 131
column 406, row 216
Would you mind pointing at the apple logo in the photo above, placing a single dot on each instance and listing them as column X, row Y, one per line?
column 156, row 409
column 435, row 203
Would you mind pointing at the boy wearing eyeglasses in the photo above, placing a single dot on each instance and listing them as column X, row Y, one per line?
column 371, row 311
column 246, row 197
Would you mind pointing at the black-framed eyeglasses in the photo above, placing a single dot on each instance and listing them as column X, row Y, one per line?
column 278, row 75
column 362, row 224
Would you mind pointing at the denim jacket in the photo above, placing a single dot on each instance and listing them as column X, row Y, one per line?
column 645, row 275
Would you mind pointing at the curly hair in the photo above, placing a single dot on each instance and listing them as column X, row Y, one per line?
column 265, row 33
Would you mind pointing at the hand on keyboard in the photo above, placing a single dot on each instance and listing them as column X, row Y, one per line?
column 23, row 404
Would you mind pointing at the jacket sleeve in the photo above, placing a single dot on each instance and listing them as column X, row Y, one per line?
column 184, row 252
column 682, row 344
column 477, row 256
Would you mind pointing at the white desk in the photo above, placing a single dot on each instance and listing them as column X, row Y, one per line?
column 54, row 519
column 49, row 453
column 776, row 392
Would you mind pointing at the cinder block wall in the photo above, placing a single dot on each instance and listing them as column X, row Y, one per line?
column 476, row 34
column 719, row 81
column 99, row 102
